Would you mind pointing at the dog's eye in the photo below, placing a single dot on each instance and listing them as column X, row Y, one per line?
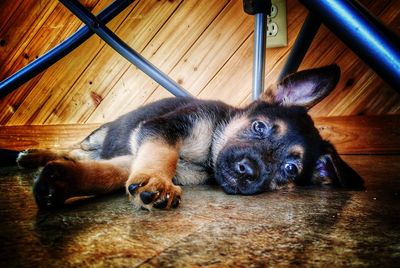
column 291, row 169
column 259, row 127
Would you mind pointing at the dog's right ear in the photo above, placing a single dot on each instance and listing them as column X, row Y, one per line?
column 305, row 88
column 331, row 169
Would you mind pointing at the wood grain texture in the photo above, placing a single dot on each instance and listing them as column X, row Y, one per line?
column 43, row 137
column 362, row 134
column 57, row 26
column 105, row 70
column 349, row 134
column 165, row 51
column 205, row 46
column 298, row 227
column 43, row 99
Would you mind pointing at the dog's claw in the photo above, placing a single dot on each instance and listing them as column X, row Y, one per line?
column 147, row 197
column 161, row 203
column 175, row 202
column 132, row 188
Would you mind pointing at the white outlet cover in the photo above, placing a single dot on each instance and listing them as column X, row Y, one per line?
column 277, row 25
column 272, row 29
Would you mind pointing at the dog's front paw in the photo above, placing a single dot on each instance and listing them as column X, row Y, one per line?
column 51, row 188
column 152, row 192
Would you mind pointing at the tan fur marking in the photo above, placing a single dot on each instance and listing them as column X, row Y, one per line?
column 196, row 146
column 133, row 140
column 79, row 154
column 156, row 158
column 269, row 94
column 103, row 176
column 229, row 132
column 297, row 150
column 190, row 174
column 153, row 169
column 282, row 127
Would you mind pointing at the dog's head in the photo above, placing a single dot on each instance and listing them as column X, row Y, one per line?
column 273, row 141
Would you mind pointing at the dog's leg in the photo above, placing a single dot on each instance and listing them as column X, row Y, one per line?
column 89, row 148
column 34, row 158
column 150, row 182
column 62, row 179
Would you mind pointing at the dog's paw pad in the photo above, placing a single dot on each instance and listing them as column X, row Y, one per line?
column 148, row 197
column 162, row 203
column 154, row 193
column 175, row 202
column 47, row 189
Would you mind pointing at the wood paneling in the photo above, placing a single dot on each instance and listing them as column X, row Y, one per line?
column 362, row 134
column 350, row 134
column 205, row 46
column 43, row 136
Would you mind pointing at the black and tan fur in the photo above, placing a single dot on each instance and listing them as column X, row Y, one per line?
column 154, row 149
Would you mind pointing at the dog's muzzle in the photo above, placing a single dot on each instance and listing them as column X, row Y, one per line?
column 240, row 173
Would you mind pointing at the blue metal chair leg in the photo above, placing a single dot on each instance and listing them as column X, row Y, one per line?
column 122, row 48
column 301, row 45
column 363, row 34
column 35, row 67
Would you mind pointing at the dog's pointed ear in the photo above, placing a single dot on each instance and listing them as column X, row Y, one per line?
column 305, row 88
column 331, row 169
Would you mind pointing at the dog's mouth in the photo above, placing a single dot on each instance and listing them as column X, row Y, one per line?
column 241, row 174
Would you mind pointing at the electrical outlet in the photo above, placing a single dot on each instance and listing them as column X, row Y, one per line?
column 277, row 25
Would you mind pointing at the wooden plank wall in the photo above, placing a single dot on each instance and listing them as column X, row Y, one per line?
column 206, row 46
column 350, row 134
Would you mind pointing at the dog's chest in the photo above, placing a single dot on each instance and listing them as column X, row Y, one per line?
column 196, row 146
column 195, row 153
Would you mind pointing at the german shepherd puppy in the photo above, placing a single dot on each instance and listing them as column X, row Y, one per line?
column 178, row 141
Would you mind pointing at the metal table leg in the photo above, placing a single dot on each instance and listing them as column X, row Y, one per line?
column 260, row 9
column 260, row 46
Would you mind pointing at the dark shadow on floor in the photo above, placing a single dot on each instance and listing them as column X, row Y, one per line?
column 297, row 227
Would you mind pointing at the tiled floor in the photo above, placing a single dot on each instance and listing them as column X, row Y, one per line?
column 302, row 226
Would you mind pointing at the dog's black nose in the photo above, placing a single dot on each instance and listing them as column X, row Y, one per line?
column 247, row 168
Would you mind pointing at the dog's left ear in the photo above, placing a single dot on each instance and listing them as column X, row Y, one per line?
column 305, row 88
column 331, row 169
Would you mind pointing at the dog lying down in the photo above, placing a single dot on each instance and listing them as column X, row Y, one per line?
column 178, row 141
